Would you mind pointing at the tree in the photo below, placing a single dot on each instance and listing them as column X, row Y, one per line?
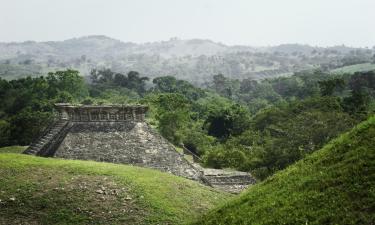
column 172, row 113
column 101, row 76
column 362, row 80
column 228, row 121
column 358, row 102
column 169, row 84
column 328, row 87
column 5, row 133
column 67, row 81
column 106, row 79
column 135, row 82
column 28, row 124
column 225, row 86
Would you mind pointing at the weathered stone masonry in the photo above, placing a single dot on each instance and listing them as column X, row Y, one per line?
column 118, row 134
column 111, row 133
column 105, row 113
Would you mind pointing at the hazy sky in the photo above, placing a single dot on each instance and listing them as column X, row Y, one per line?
column 250, row 22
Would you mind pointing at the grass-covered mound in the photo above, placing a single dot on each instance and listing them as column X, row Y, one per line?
column 13, row 149
column 35, row 190
column 335, row 185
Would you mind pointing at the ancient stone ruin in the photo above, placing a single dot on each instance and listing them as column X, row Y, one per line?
column 119, row 134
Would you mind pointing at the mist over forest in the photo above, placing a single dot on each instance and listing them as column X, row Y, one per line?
column 194, row 60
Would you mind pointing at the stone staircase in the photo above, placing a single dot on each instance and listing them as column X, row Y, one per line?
column 226, row 180
column 43, row 143
column 233, row 183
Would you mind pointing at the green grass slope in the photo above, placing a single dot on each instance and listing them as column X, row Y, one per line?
column 335, row 185
column 35, row 190
column 355, row 68
column 13, row 149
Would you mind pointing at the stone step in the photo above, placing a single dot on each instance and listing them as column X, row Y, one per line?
column 230, row 180
column 49, row 135
column 32, row 149
column 231, row 183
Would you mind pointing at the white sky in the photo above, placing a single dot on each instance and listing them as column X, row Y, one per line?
column 250, row 22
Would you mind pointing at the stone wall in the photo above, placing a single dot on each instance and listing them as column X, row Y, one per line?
column 101, row 113
column 132, row 143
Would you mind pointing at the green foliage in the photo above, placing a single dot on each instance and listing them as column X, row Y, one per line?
column 212, row 102
column 169, row 84
column 292, row 131
column 328, row 87
column 171, row 110
column 362, row 86
column 362, row 80
column 284, row 129
column 68, row 81
column 228, row 121
column 27, row 103
column 105, row 79
column 224, row 86
column 26, row 123
column 222, row 157
column 278, row 136
column 332, row 186
column 196, row 139
column 4, row 133
column 357, row 103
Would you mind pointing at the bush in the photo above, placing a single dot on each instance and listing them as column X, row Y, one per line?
column 221, row 157
column 4, row 133
column 197, row 141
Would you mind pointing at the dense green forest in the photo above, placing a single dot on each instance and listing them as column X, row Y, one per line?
column 249, row 125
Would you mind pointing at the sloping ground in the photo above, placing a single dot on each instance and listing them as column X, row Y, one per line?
column 13, row 149
column 35, row 190
column 335, row 185
column 355, row 68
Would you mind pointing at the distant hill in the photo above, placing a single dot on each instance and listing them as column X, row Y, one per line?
column 195, row 60
column 332, row 186
column 102, row 46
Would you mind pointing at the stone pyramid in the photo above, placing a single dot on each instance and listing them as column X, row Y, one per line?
column 110, row 133
column 119, row 134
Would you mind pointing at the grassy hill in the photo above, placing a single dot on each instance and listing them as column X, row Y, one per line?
column 335, row 185
column 35, row 190
column 355, row 68
column 13, row 149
